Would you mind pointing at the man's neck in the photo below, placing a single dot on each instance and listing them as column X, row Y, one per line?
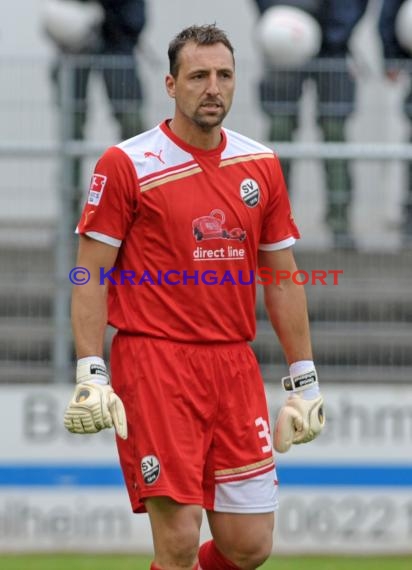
column 196, row 136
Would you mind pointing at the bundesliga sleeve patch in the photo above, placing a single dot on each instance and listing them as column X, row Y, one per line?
column 97, row 185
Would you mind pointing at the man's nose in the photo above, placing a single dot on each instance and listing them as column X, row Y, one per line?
column 213, row 85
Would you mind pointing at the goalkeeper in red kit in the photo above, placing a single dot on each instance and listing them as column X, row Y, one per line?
column 185, row 392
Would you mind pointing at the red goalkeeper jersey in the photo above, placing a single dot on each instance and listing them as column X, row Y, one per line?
column 188, row 224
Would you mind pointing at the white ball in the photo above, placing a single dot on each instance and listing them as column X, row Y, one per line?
column 403, row 26
column 70, row 23
column 288, row 36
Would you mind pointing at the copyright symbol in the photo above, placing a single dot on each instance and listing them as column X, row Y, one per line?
column 79, row 276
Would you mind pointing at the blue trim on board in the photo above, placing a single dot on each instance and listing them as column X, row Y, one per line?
column 345, row 475
column 303, row 475
column 60, row 475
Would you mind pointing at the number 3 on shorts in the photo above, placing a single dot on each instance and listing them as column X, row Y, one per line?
column 264, row 434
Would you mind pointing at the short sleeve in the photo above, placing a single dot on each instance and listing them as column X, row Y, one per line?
column 112, row 200
column 279, row 229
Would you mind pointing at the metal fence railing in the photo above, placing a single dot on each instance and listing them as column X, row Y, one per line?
column 361, row 327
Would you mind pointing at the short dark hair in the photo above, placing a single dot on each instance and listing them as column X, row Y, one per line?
column 206, row 35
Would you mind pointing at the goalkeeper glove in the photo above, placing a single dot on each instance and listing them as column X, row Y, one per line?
column 94, row 406
column 301, row 418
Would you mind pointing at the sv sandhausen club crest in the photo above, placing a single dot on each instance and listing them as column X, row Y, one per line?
column 250, row 192
column 150, row 468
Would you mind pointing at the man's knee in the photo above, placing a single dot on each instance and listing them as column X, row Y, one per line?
column 249, row 551
column 180, row 548
column 176, row 530
column 252, row 553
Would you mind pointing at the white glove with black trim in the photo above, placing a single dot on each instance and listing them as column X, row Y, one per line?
column 94, row 406
column 301, row 419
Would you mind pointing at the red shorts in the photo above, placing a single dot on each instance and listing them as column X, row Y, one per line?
column 198, row 424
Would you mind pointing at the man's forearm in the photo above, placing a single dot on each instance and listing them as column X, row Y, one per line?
column 89, row 319
column 287, row 310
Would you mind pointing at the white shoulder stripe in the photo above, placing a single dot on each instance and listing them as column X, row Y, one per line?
column 288, row 242
column 238, row 145
column 109, row 240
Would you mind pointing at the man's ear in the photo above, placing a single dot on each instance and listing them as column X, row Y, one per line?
column 170, row 85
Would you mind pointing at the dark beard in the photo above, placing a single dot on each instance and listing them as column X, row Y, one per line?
column 205, row 125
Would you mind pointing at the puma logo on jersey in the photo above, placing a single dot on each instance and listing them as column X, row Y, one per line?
column 87, row 214
column 150, row 154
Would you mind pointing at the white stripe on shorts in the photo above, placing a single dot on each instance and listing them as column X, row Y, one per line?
column 254, row 495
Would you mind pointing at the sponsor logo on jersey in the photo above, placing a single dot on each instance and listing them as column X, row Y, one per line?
column 158, row 155
column 250, row 192
column 150, row 468
column 213, row 226
column 97, row 184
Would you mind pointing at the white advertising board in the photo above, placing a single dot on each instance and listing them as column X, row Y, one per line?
column 350, row 491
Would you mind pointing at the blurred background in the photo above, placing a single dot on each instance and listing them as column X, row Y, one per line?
column 59, row 109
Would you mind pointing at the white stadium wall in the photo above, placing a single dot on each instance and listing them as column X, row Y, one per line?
column 347, row 492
